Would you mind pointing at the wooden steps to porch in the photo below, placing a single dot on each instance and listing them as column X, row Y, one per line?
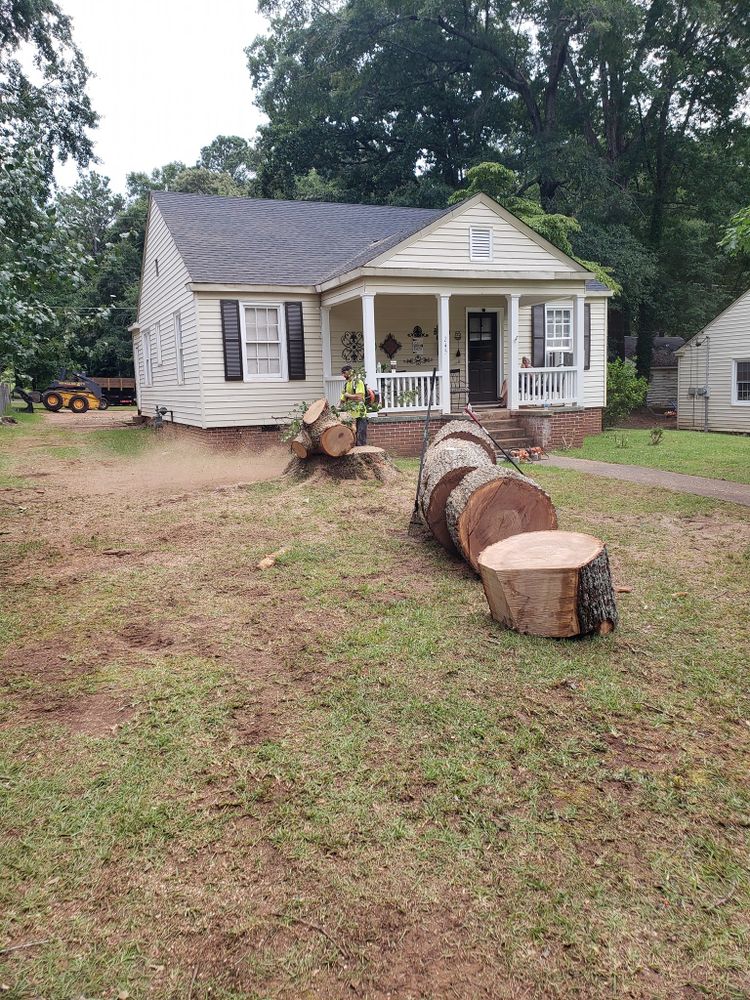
column 506, row 429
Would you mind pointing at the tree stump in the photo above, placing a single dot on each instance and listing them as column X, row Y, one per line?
column 322, row 432
column 445, row 465
column 465, row 430
column 490, row 504
column 362, row 462
column 550, row 583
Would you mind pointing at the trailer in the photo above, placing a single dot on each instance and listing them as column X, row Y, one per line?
column 117, row 391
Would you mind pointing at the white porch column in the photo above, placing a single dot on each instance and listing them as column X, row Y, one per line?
column 368, row 334
column 513, row 367
column 578, row 346
column 444, row 350
column 325, row 336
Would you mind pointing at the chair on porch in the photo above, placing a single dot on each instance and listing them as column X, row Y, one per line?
column 459, row 389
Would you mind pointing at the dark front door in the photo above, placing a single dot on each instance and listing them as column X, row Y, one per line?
column 483, row 357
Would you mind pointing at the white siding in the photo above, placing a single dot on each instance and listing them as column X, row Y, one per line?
column 245, row 404
column 708, row 359
column 161, row 297
column 595, row 379
column 447, row 247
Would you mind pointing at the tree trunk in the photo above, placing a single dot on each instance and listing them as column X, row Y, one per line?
column 550, row 583
column 445, row 465
column 465, row 430
column 322, row 432
column 491, row 504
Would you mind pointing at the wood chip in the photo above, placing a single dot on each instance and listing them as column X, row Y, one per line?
column 117, row 552
column 623, row 590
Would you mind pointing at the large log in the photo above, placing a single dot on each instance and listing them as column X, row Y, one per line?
column 322, row 432
column 491, row 504
column 465, row 430
column 445, row 465
column 550, row 583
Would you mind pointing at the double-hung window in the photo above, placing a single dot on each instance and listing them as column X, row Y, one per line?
column 178, row 348
column 558, row 336
column 264, row 342
column 741, row 382
column 147, row 358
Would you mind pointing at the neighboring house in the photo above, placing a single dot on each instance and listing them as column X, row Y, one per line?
column 714, row 373
column 662, row 383
column 248, row 307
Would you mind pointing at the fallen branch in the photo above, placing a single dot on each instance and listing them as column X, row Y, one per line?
column 316, row 927
column 21, row 947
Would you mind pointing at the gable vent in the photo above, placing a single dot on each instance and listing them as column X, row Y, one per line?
column 480, row 243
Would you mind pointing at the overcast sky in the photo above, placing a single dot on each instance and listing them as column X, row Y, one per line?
column 170, row 75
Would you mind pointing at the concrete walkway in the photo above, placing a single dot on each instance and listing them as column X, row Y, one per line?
column 717, row 489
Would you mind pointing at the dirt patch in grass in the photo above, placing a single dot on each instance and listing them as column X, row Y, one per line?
column 100, row 714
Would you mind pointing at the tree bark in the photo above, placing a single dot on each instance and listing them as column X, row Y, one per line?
column 490, row 504
column 322, row 432
column 550, row 583
column 446, row 463
column 465, row 430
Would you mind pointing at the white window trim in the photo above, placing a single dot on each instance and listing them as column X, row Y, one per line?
column 483, row 229
column 735, row 400
column 179, row 347
column 148, row 374
column 283, row 376
column 567, row 305
column 157, row 339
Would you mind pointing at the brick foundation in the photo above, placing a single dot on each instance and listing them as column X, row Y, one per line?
column 403, row 435
column 560, row 428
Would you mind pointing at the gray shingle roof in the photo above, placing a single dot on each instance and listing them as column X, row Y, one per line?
column 594, row 285
column 263, row 241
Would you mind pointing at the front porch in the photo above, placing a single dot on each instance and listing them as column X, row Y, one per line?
column 476, row 338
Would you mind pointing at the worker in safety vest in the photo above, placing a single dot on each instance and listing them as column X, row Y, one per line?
column 353, row 400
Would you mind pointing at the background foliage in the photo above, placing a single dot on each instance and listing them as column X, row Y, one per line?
column 617, row 129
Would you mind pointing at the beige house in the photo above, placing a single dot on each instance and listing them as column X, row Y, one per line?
column 248, row 307
column 714, row 373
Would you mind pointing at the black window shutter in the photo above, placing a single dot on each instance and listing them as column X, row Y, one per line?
column 587, row 337
column 537, row 337
column 230, row 332
column 295, row 341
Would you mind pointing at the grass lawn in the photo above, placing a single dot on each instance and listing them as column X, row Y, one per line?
column 718, row 456
column 339, row 778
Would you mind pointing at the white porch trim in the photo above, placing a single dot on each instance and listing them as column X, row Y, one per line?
column 513, row 360
column 579, row 323
column 444, row 349
column 368, row 335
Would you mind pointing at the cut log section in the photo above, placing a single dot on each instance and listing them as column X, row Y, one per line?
column 302, row 445
column 490, row 504
column 445, row 465
column 550, row 583
column 315, row 411
column 465, row 430
column 322, row 432
column 362, row 462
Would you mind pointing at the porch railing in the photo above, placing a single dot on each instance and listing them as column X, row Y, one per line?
column 547, row 386
column 400, row 392
column 403, row 392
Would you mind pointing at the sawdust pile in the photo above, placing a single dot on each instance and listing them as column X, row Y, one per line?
column 169, row 466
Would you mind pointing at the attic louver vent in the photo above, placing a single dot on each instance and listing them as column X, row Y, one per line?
column 480, row 244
